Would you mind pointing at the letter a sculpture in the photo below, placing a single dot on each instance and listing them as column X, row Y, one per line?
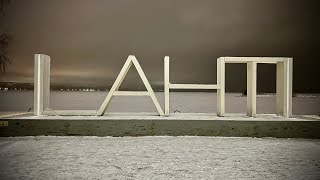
column 114, row 91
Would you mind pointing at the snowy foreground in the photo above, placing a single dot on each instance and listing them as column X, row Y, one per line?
column 158, row 158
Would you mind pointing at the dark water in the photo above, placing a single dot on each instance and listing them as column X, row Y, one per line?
column 184, row 102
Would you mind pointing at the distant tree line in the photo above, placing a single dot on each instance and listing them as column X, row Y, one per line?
column 4, row 42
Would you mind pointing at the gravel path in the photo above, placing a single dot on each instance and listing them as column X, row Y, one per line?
column 158, row 158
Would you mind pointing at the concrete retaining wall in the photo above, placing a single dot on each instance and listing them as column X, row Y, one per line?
column 161, row 127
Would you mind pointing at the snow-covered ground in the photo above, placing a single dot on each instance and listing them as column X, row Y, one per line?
column 158, row 158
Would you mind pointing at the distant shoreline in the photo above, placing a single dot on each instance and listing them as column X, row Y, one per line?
column 13, row 86
column 238, row 94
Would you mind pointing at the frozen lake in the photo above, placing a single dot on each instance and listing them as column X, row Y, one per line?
column 158, row 158
column 183, row 102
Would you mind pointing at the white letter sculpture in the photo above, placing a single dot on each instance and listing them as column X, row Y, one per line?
column 283, row 91
column 41, row 83
column 115, row 92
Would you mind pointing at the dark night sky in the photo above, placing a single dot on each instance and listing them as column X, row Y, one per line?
column 89, row 41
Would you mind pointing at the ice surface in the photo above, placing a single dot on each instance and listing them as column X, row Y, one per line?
column 184, row 102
